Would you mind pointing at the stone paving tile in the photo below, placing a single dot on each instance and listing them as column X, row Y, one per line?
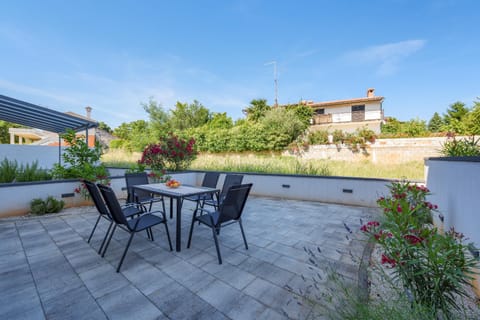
column 177, row 302
column 220, row 295
column 46, row 265
column 76, row 303
column 128, row 303
column 147, row 278
column 276, row 298
column 191, row 276
column 103, row 280
column 230, row 274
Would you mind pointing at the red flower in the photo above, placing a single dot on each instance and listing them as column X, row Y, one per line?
column 399, row 209
column 388, row 260
column 413, row 239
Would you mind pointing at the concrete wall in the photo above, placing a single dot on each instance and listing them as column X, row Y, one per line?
column 348, row 191
column 455, row 186
column 46, row 156
column 381, row 151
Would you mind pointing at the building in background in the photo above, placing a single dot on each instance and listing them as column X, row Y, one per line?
column 45, row 138
column 348, row 115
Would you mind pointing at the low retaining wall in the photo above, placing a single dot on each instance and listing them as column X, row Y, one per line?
column 348, row 191
column 381, row 151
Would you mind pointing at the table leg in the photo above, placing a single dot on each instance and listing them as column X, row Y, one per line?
column 179, row 226
column 171, row 208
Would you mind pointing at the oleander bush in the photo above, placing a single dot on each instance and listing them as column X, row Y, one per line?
column 465, row 147
column 434, row 268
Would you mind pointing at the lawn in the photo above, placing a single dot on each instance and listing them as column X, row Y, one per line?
column 274, row 163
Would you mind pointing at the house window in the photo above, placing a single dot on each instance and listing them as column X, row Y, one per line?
column 320, row 111
column 357, row 108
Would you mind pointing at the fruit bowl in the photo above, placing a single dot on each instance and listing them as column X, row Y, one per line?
column 172, row 184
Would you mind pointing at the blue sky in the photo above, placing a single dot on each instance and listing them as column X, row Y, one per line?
column 113, row 55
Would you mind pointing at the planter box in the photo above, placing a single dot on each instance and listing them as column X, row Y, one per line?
column 455, row 186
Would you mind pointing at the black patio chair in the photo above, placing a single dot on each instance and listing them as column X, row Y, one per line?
column 210, row 180
column 132, row 226
column 140, row 197
column 230, row 181
column 230, row 211
column 128, row 211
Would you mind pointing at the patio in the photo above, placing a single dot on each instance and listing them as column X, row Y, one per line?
column 49, row 271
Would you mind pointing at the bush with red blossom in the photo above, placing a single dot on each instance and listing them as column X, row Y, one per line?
column 433, row 267
column 171, row 153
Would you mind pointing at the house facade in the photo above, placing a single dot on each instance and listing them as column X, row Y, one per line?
column 348, row 115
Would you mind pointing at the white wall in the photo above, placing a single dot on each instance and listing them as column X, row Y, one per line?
column 46, row 156
column 455, row 188
column 364, row 192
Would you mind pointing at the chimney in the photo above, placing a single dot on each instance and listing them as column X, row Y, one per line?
column 89, row 112
column 370, row 92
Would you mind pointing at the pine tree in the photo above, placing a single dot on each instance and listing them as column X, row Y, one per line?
column 435, row 123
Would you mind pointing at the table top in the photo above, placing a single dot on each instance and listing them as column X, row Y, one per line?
column 179, row 192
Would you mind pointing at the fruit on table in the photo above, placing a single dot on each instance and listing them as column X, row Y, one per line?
column 173, row 183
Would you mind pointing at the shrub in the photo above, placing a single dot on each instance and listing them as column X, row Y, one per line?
column 172, row 153
column 8, row 170
column 50, row 205
column 462, row 147
column 32, row 173
column 432, row 267
column 318, row 137
column 81, row 162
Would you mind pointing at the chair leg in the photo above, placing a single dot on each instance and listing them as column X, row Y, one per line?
column 108, row 241
column 93, row 230
column 191, row 228
column 216, row 245
column 243, row 234
column 151, row 234
column 168, row 236
column 125, row 251
column 105, row 238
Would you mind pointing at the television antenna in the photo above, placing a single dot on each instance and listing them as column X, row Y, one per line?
column 275, row 79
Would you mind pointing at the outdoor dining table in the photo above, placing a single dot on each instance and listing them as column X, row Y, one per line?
column 179, row 194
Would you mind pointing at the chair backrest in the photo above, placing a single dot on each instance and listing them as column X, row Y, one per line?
column 134, row 179
column 113, row 204
column 210, row 179
column 96, row 197
column 230, row 181
column 234, row 202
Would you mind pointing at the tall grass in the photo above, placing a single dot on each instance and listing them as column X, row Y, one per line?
column 274, row 163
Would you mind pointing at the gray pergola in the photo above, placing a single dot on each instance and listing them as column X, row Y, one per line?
column 35, row 116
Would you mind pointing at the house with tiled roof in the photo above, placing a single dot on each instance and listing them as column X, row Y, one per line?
column 349, row 114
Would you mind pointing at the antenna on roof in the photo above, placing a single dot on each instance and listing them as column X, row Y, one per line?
column 275, row 81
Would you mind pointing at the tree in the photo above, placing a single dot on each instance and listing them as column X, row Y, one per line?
column 435, row 123
column 135, row 135
column 103, row 126
column 391, row 126
column 186, row 116
column 456, row 111
column 220, row 121
column 159, row 120
column 473, row 119
column 414, row 128
column 4, row 134
column 257, row 109
column 303, row 112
